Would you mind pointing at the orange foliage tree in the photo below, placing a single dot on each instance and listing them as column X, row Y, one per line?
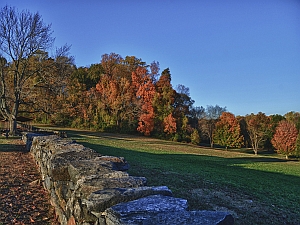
column 170, row 124
column 228, row 131
column 114, row 100
column 284, row 139
column 145, row 91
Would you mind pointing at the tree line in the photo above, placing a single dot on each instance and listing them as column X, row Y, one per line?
column 118, row 95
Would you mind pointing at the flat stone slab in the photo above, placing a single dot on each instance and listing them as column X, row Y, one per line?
column 100, row 200
column 166, row 210
column 137, row 211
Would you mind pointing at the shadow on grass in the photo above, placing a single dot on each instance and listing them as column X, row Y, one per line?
column 12, row 148
column 231, row 171
column 11, row 145
column 270, row 156
column 218, row 168
column 264, row 159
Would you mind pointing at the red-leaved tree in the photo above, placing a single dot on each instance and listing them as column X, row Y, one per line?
column 284, row 139
column 145, row 91
column 170, row 124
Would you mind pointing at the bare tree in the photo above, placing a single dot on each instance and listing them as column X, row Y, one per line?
column 22, row 35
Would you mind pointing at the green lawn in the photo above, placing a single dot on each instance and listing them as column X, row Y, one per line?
column 263, row 189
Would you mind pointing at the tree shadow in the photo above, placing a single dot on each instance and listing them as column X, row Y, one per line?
column 265, row 159
column 12, row 147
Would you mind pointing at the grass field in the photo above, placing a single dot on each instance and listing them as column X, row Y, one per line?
column 263, row 189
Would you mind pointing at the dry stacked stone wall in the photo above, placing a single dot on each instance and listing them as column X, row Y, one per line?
column 89, row 188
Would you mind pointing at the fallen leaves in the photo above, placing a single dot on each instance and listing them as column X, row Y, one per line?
column 23, row 199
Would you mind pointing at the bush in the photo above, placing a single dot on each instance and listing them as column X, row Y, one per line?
column 195, row 137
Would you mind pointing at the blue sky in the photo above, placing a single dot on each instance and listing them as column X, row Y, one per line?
column 242, row 54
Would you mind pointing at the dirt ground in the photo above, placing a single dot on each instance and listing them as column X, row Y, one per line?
column 23, row 200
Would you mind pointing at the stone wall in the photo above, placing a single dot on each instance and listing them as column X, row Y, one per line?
column 89, row 188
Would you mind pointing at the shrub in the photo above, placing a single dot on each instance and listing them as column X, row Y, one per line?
column 195, row 137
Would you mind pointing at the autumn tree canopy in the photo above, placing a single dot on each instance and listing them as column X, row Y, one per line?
column 258, row 127
column 228, row 132
column 145, row 94
column 285, row 137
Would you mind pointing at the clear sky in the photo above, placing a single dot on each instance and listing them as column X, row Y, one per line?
column 242, row 54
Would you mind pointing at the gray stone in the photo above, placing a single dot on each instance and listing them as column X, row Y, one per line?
column 82, row 168
column 90, row 184
column 100, row 200
column 119, row 163
column 76, row 152
column 28, row 138
column 137, row 211
column 153, row 210
column 48, row 183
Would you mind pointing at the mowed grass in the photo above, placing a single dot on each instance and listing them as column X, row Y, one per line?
column 263, row 189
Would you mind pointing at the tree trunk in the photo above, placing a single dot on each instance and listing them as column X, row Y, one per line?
column 211, row 144
column 255, row 147
column 255, row 151
column 12, row 126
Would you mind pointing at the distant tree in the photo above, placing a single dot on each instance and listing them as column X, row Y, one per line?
column 228, row 132
column 195, row 137
column 183, row 103
column 75, row 104
column 154, row 70
column 169, row 124
column 298, row 145
column 294, row 117
column 145, row 92
column 274, row 120
column 111, row 63
column 163, row 103
column 22, row 36
column 258, row 127
column 208, row 124
column 197, row 113
column 89, row 76
column 130, row 64
column 244, row 131
column 115, row 101
column 285, row 138
column 46, row 91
